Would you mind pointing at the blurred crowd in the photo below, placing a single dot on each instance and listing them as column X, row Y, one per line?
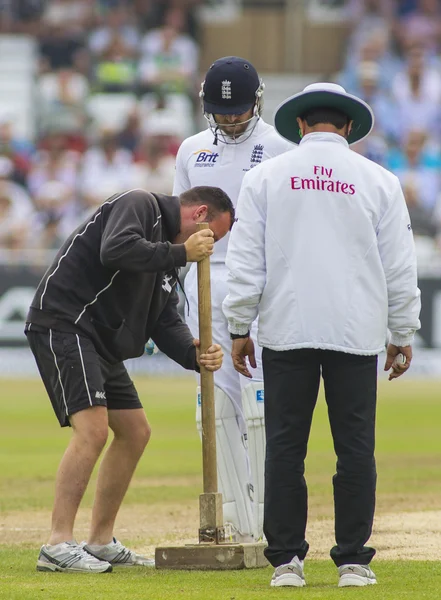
column 393, row 62
column 115, row 93
column 116, row 87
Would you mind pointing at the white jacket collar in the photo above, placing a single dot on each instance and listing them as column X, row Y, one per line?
column 324, row 136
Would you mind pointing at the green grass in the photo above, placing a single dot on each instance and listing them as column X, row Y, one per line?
column 31, row 445
column 403, row 580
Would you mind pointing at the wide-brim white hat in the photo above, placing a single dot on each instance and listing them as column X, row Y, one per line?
column 323, row 95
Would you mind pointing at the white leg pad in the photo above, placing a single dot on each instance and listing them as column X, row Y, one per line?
column 233, row 468
column 254, row 412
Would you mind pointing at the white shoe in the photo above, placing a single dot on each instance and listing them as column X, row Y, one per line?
column 118, row 555
column 289, row 575
column 356, row 575
column 70, row 557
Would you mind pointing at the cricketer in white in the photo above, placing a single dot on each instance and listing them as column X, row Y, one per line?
column 216, row 158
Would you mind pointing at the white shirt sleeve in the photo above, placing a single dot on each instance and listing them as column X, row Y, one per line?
column 182, row 181
column 246, row 257
column 397, row 252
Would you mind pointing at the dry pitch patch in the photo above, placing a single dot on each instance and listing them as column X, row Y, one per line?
column 403, row 535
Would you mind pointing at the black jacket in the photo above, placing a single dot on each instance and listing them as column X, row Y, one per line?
column 114, row 280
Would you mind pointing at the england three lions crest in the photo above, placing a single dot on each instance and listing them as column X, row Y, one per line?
column 226, row 90
column 256, row 155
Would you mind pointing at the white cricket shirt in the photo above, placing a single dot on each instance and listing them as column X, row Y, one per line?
column 200, row 162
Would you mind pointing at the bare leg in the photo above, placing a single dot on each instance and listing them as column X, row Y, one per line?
column 132, row 433
column 89, row 436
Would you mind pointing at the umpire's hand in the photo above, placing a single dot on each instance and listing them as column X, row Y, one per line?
column 392, row 360
column 213, row 358
column 240, row 349
column 199, row 245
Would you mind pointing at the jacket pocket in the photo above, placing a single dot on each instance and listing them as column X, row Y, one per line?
column 114, row 344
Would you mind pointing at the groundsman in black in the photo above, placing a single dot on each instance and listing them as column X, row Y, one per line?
column 111, row 287
column 114, row 278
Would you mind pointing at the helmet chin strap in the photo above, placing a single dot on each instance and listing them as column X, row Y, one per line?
column 225, row 138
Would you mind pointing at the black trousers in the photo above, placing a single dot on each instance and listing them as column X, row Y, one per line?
column 292, row 380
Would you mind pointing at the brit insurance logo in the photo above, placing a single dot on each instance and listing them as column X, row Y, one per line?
column 205, row 158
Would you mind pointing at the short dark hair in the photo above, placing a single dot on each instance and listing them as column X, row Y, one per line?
column 217, row 201
column 333, row 116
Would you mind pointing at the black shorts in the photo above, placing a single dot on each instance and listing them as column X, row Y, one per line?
column 76, row 377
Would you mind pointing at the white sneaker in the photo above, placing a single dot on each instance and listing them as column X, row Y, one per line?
column 70, row 557
column 118, row 555
column 290, row 574
column 356, row 575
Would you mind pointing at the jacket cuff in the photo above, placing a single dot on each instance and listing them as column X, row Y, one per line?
column 238, row 328
column 179, row 255
column 195, row 365
column 401, row 340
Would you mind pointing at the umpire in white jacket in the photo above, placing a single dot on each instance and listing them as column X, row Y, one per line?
column 323, row 252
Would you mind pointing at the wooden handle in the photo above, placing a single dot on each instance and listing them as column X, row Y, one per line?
column 207, row 381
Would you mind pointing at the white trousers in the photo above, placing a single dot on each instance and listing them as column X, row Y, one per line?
column 227, row 378
column 240, row 480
